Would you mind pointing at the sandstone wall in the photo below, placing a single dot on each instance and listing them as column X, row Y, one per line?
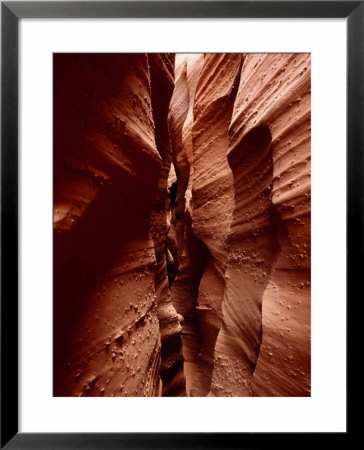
column 182, row 224
column 247, row 227
column 112, row 310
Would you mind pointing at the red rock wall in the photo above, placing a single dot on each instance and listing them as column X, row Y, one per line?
column 247, row 323
column 162, row 80
column 212, row 192
column 182, row 214
column 111, row 163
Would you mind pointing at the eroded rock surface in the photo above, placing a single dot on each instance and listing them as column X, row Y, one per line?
column 182, row 214
column 247, row 324
column 111, row 163
column 162, row 79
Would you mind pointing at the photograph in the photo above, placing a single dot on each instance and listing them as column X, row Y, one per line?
column 182, row 224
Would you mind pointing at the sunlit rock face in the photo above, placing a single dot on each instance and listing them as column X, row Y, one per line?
column 284, row 100
column 247, row 320
column 212, row 199
column 182, row 224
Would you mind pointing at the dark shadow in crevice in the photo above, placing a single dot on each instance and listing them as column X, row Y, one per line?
column 173, row 193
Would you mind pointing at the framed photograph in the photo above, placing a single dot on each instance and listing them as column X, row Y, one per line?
column 181, row 218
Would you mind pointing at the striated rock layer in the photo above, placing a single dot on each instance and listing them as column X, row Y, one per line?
column 246, row 296
column 182, row 225
column 212, row 192
column 111, row 162
column 162, row 79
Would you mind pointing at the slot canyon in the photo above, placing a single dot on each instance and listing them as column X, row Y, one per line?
column 182, row 221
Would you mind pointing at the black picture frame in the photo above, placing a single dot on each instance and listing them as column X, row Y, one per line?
column 11, row 12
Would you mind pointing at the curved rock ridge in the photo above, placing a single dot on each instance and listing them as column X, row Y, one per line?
column 212, row 198
column 269, row 298
column 190, row 251
column 177, row 115
column 194, row 64
column 243, row 285
column 283, row 367
column 162, row 80
column 252, row 250
column 199, row 286
column 111, row 163
column 182, row 216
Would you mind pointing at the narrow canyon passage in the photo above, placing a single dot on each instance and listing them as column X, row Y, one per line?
column 182, row 214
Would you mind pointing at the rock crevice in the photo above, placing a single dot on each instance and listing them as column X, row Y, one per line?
column 182, row 224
